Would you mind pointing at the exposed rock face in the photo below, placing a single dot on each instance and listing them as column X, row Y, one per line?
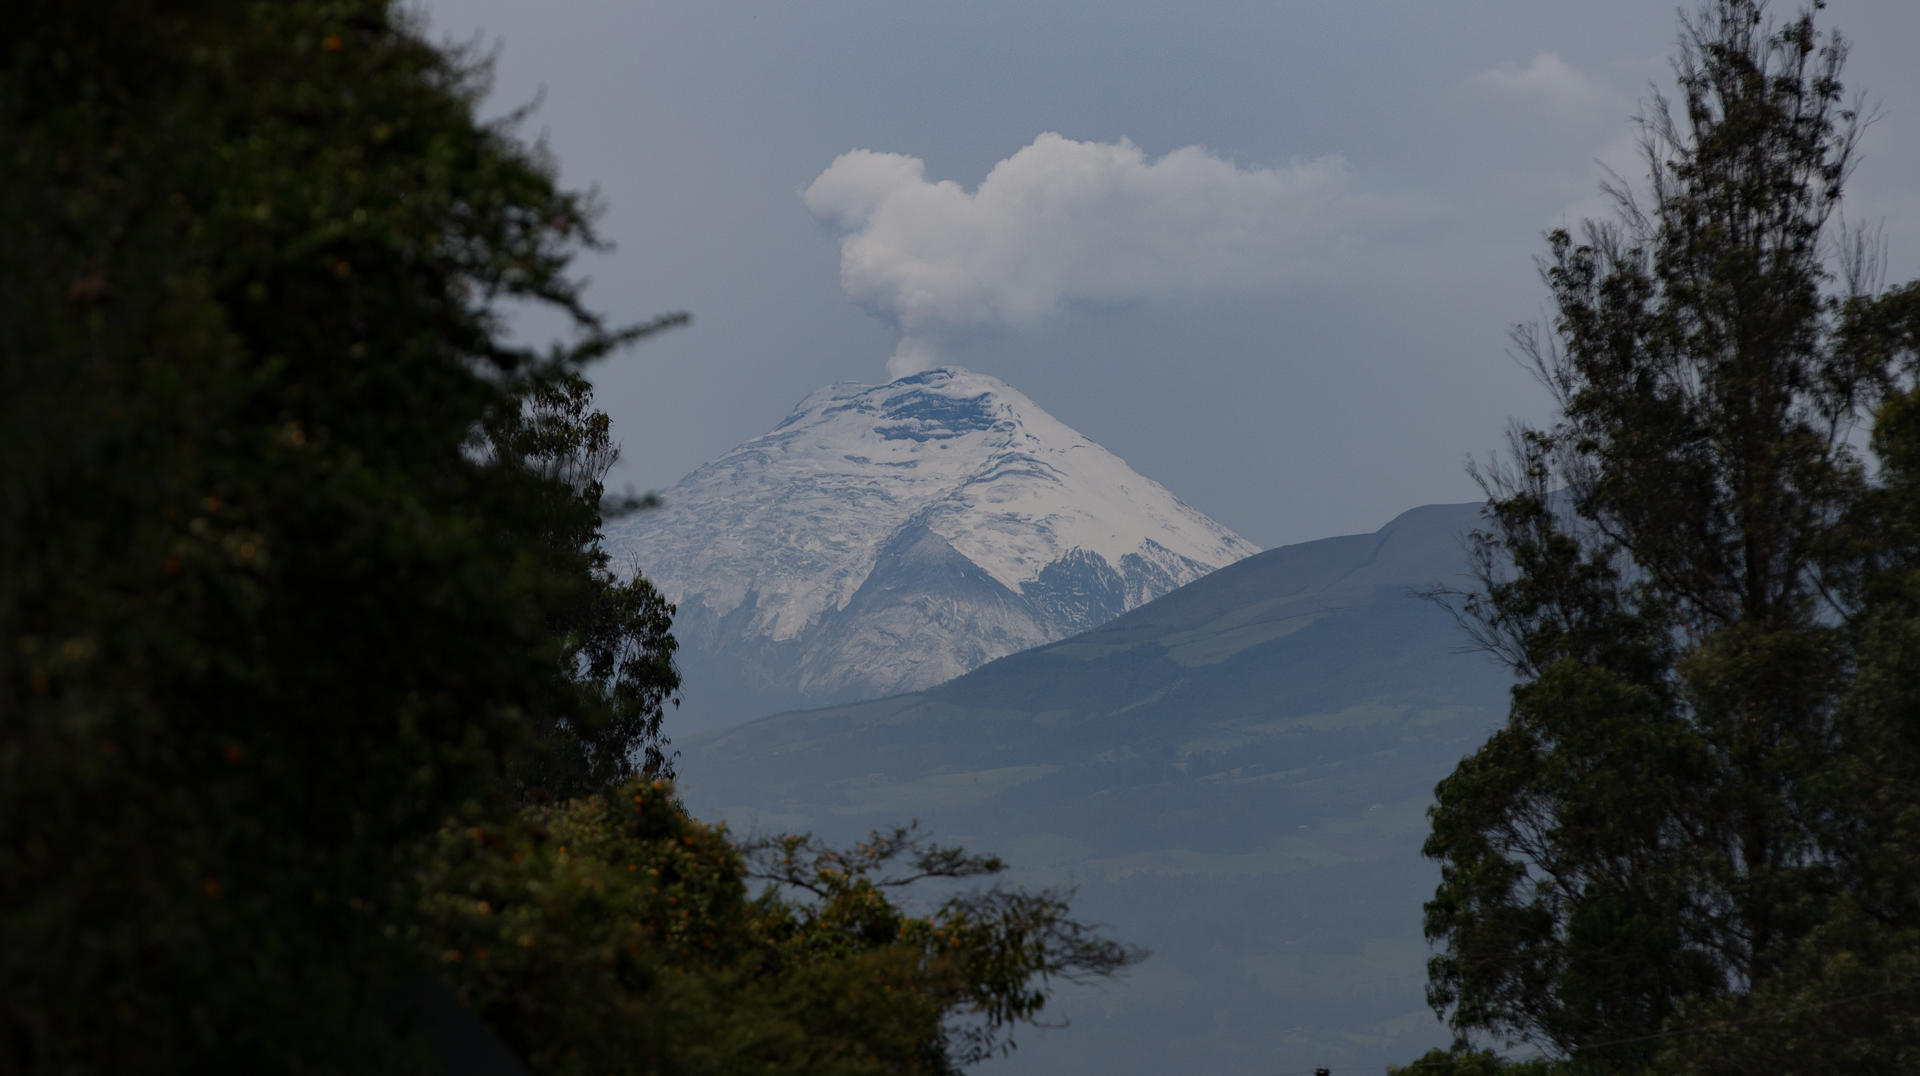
column 883, row 539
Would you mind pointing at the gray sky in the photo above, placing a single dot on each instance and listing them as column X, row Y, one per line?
column 1299, row 327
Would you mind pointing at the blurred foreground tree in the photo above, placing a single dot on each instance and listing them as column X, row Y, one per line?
column 1685, row 821
column 276, row 605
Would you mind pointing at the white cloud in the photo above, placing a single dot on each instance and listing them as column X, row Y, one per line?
column 1589, row 138
column 1062, row 221
column 1554, row 86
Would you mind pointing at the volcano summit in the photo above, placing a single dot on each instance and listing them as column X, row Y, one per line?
column 886, row 538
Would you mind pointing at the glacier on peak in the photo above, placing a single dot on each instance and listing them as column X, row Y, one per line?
column 884, row 538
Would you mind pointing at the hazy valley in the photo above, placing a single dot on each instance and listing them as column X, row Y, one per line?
column 1234, row 773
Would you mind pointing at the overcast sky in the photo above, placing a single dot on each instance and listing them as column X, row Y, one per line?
column 1267, row 252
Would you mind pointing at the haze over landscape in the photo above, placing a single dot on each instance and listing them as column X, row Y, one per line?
column 1242, row 536
column 1267, row 255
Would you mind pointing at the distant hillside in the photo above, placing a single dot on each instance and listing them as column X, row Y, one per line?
column 1236, row 774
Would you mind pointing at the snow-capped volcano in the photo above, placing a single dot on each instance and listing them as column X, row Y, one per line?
column 886, row 538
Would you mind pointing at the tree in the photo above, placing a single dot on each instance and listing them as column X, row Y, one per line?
column 305, row 622
column 1675, row 571
column 269, row 617
column 613, row 933
column 618, row 631
column 1843, row 998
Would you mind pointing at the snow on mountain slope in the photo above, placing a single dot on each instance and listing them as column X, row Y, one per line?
column 886, row 538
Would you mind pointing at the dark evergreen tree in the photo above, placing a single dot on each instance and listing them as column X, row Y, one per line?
column 1674, row 570
column 1846, row 995
column 618, row 631
column 270, row 615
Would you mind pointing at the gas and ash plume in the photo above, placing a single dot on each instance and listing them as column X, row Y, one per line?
column 1062, row 221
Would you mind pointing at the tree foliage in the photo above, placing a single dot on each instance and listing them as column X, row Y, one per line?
column 1688, row 571
column 617, row 632
column 613, row 933
column 312, row 672
column 269, row 616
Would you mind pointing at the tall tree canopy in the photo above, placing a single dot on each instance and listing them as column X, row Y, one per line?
column 1694, row 573
column 291, row 578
